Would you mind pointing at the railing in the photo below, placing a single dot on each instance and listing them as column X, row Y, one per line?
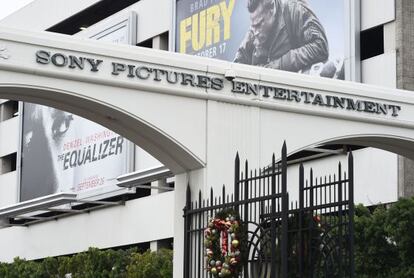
column 311, row 238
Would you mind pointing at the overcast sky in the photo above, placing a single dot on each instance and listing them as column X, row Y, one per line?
column 9, row 6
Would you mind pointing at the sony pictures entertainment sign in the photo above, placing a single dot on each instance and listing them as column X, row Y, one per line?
column 144, row 73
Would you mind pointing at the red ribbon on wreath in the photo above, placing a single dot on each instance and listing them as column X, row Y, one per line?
column 219, row 234
column 224, row 242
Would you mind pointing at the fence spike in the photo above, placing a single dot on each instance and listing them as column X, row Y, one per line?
column 188, row 196
column 350, row 155
column 236, row 188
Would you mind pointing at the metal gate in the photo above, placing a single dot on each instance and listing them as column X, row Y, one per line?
column 309, row 237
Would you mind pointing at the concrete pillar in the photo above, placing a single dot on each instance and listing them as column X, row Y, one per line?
column 197, row 180
column 158, row 186
column 181, row 182
column 405, row 80
column 154, row 246
column 405, row 177
column 160, row 42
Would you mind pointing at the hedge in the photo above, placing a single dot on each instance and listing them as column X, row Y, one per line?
column 94, row 263
column 384, row 247
column 384, row 241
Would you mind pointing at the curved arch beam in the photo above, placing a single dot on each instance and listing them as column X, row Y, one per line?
column 153, row 140
column 403, row 146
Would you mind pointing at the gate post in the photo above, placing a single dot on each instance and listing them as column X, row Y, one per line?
column 301, row 210
column 236, row 182
column 351, row 213
column 273, row 234
column 285, row 214
column 340, row 212
column 310, row 225
column 187, row 226
column 246, row 207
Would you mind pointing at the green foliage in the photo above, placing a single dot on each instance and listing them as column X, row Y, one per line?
column 374, row 253
column 94, row 263
column 384, row 241
column 151, row 264
column 384, row 247
column 400, row 229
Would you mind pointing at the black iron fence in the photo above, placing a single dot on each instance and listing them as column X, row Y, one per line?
column 310, row 237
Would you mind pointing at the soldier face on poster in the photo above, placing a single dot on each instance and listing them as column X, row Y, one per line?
column 304, row 36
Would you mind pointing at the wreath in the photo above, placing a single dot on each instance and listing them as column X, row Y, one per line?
column 223, row 240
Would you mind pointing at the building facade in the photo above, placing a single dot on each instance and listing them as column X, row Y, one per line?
column 144, row 216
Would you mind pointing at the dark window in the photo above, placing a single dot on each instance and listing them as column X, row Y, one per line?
column 8, row 163
column 90, row 16
column 165, row 243
column 147, row 43
column 9, row 109
column 164, row 41
column 372, row 42
column 171, row 184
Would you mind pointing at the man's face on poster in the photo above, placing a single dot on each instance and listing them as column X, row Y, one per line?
column 262, row 22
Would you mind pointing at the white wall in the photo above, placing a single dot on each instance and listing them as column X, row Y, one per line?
column 37, row 15
column 143, row 160
column 376, row 12
column 8, row 189
column 148, row 25
column 141, row 220
column 380, row 70
column 9, row 136
column 375, row 175
column 32, row 17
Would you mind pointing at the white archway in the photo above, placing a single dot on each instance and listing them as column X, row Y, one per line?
column 155, row 141
column 195, row 125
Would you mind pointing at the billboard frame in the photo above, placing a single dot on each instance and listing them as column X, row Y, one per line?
column 101, row 29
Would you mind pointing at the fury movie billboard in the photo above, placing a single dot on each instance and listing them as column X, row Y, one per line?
column 62, row 152
column 305, row 36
